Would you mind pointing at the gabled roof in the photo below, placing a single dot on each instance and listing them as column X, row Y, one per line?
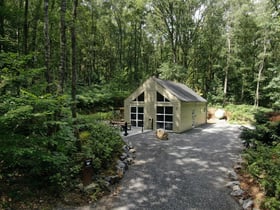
column 181, row 91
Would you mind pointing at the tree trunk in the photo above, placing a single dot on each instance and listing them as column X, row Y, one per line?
column 47, row 46
column 25, row 29
column 34, row 27
column 261, row 67
column 226, row 69
column 2, row 31
column 62, row 66
column 74, row 66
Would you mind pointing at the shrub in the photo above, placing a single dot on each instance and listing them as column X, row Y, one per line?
column 263, row 159
column 100, row 142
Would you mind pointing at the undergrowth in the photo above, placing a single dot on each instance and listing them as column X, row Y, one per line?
column 263, row 157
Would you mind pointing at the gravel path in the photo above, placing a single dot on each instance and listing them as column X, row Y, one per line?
column 189, row 171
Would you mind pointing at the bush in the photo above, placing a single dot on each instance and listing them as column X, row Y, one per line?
column 243, row 114
column 100, row 142
column 263, row 157
column 37, row 143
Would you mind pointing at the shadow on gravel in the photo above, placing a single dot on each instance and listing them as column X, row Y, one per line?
column 188, row 171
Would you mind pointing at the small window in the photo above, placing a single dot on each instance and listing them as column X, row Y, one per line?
column 161, row 98
column 141, row 97
column 137, row 116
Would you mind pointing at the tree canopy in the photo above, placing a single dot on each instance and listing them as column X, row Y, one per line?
column 226, row 50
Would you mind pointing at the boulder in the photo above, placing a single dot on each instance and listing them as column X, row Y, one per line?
column 220, row 114
column 161, row 134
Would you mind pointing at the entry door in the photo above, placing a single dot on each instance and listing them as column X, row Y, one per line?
column 137, row 116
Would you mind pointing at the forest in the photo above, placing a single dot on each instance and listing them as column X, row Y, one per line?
column 61, row 60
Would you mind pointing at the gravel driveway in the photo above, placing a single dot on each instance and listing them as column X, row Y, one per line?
column 189, row 171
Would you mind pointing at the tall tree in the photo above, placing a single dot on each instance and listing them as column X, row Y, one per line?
column 74, row 61
column 25, row 28
column 2, row 31
column 47, row 46
column 62, row 65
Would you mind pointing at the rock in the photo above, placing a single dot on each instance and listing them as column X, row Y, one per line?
column 247, row 204
column 237, row 193
column 125, row 148
column 232, row 175
column 237, row 167
column 113, row 179
column 130, row 145
column 132, row 150
column 123, row 156
column 235, row 188
column 220, row 114
column 130, row 160
column 161, row 134
column 120, row 164
column 232, row 183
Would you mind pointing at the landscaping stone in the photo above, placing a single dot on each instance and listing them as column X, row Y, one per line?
column 236, row 188
column 232, row 175
column 120, row 164
column 113, row 179
column 237, row 167
column 247, row 204
column 123, row 156
column 132, row 150
column 237, row 193
column 232, row 184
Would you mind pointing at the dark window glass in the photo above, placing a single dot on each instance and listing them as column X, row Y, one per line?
column 160, row 97
column 140, row 123
column 141, row 97
column 140, row 109
column 169, row 118
column 160, row 118
column 133, row 109
column 133, row 123
column 140, row 116
column 133, row 116
column 160, row 109
column 168, row 110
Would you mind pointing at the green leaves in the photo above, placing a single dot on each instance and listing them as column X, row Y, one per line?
column 263, row 157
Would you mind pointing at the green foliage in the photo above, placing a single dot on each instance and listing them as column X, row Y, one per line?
column 99, row 141
column 36, row 140
column 265, row 131
column 15, row 75
column 169, row 71
column 243, row 114
column 263, row 163
column 263, row 157
column 274, row 90
column 100, row 98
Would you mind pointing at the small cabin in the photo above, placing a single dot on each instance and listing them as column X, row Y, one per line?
column 165, row 104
